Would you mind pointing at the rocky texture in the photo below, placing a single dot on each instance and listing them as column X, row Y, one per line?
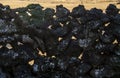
column 91, row 35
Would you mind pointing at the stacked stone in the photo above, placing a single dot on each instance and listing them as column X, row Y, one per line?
column 78, row 44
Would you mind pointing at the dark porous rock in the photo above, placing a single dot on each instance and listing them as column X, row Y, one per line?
column 38, row 42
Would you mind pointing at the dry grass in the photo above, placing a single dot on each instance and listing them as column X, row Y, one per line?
column 69, row 5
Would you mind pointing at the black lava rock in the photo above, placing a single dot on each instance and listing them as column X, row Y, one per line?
column 38, row 42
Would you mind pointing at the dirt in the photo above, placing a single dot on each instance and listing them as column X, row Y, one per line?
column 53, row 3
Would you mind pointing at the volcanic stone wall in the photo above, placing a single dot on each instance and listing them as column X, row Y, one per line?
column 78, row 44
